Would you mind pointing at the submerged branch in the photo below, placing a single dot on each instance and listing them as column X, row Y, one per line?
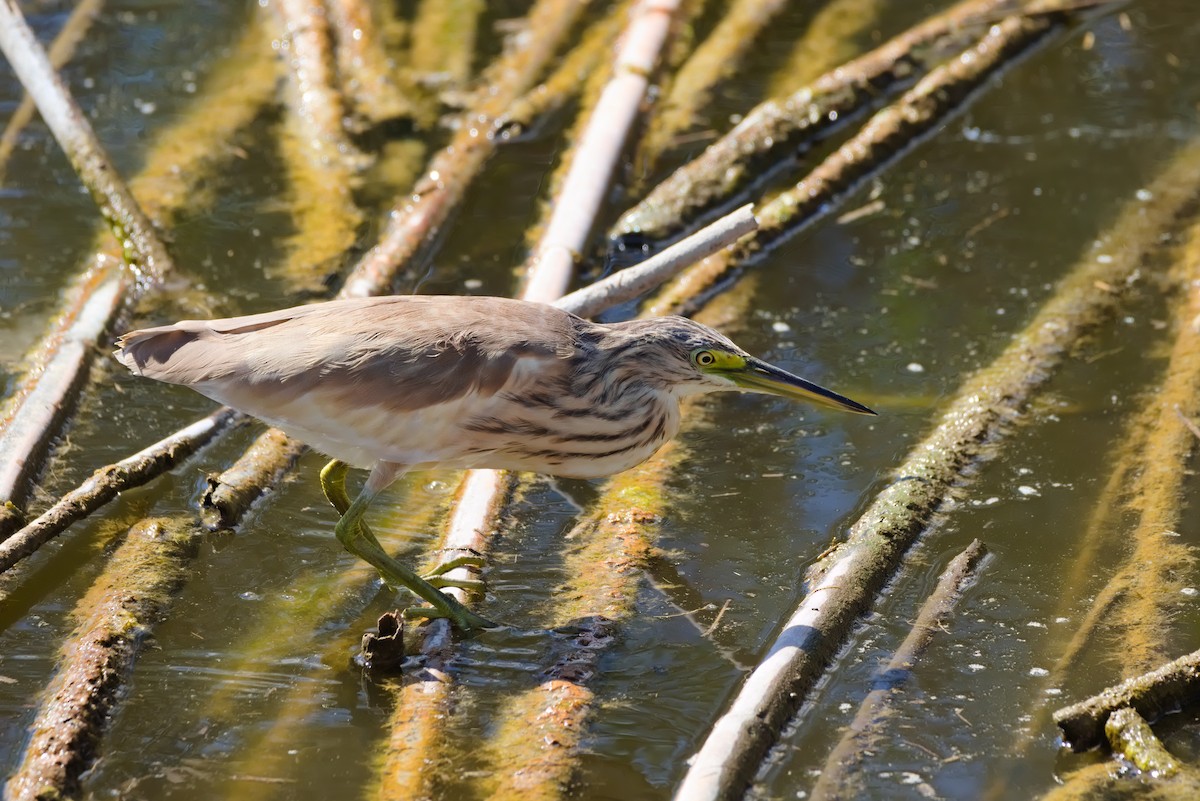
column 843, row 584
column 365, row 71
column 716, row 59
column 1130, row 735
column 114, row 617
column 586, row 183
column 840, row 777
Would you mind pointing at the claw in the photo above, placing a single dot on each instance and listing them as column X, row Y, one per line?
column 441, row 582
column 463, row 619
column 466, row 560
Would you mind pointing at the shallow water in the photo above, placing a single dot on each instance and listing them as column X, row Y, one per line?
column 248, row 689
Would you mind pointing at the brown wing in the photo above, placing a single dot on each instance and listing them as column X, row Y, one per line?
column 403, row 352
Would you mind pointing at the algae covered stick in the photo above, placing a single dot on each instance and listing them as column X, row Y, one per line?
column 843, row 585
column 885, row 137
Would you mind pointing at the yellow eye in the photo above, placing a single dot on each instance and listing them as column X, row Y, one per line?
column 705, row 358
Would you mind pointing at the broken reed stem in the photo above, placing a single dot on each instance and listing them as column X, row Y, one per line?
column 535, row 752
column 114, row 617
column 842, row 775
column 634, row 282
column 1130, row 735
column 830, row 39
column 177, row 167
column 365, row 71
column 107, row 482
column 843, row 584
column 410, row 225
column 786, row 126
column 551, row 264
column 143, row 248
column 716, row 59
column 418, row 216
column 62, row 49
column 1152, row 695
column 885, row 137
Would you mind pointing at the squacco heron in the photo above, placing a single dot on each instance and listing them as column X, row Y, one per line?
column 400, row 383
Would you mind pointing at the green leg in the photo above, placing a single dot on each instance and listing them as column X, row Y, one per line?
column 353, row 532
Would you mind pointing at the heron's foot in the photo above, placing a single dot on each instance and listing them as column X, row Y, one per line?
column 438, row 578
column 460, row 616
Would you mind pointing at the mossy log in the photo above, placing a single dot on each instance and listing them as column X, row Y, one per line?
column 1130, row 736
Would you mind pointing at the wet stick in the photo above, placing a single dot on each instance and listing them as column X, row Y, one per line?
column 321, row 163
column 419, row 215
column 786, row 126
column 443, row 42
column 844, row 584
column 589, row 55
column 885, row 137
column 716, row 59
column 842, row 775
column 61, row 50
column 115, row 616
column 109, row 481
column 1130, row 735
column 176, row 168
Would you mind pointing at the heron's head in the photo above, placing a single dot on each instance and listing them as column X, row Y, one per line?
column 694, row 358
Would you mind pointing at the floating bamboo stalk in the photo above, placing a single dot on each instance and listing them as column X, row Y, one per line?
column 107, row 482
column 321, row 162
column 716, row 59
column 881, row 141
column 844, row 583
column 418, row 216
column 61, row 50
column 181, row 159
column 412, row 223
column 830, row 39
column 1152, row 695
column 789, row 125
column 599, row 148
column 841, row 776
column 114, row 617
column 365, row 71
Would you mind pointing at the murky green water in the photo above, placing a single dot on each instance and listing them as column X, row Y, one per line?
column 246, row 693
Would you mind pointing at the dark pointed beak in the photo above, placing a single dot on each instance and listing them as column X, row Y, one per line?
column 758, row 376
